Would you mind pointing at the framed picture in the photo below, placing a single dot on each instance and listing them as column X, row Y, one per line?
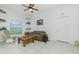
column 40, row 22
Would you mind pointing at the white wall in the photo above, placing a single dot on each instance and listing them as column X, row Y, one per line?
column 10, row 16
column 61, row 23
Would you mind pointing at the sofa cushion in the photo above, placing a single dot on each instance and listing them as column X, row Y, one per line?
column 39, row 32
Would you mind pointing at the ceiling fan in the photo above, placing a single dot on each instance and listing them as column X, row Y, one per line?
column 30, row 7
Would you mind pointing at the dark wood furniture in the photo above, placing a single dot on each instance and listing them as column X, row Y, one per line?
column 39, row 35
column 26, row 39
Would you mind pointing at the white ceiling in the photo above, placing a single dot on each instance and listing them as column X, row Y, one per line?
column 18, row 8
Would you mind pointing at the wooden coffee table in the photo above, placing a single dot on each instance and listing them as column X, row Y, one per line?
column 26, row 39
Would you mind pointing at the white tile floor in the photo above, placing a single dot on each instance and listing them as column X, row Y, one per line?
column 51, row 47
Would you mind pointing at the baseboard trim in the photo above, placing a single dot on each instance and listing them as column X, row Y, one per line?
column 63, row 41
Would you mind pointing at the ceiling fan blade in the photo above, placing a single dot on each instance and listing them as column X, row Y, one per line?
column 24, row 5
column 31, row 5
column 26, row 9
column 35, row 9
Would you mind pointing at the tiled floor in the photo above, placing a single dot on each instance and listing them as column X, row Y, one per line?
column 50, row 47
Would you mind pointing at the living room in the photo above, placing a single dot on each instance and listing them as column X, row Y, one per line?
column 58, row 23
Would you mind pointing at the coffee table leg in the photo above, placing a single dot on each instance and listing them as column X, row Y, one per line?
column 33, row 40
column 24, row 44
column 19, row 40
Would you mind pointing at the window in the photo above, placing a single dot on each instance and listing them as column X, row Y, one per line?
column 16, row 27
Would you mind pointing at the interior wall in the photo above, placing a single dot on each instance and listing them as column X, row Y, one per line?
column 60, row 23
column 10, row 16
